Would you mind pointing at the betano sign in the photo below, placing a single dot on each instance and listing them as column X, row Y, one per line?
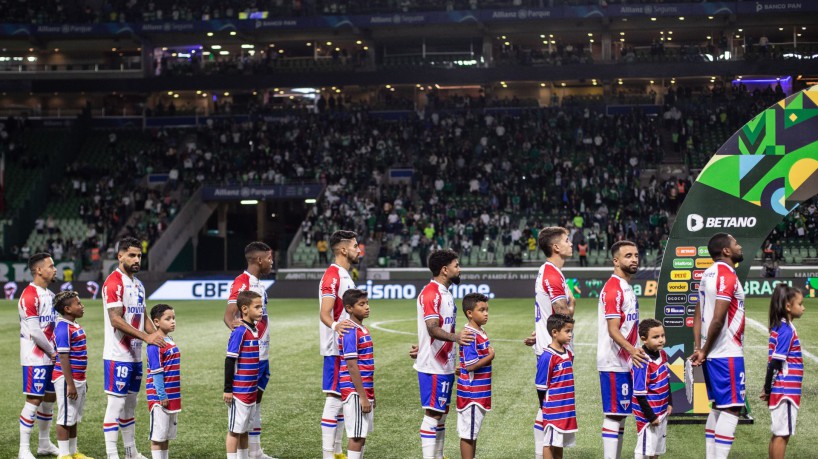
column 752, row 182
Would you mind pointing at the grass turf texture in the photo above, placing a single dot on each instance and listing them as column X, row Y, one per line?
column 293, row 403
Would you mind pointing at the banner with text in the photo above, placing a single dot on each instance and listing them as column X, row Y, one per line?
column 752, row 182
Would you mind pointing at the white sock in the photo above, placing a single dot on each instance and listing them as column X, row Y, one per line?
column 611, row 438
column 242, row 454
column 72, row 445
column 65, row 448
column 26, row 424
column 621, row 438
column 725, row 434
column 44, row 414
column 329, row 424
column 127, row 425
column 156, row 454
column 110, row 424
column 440, row 436
column 165, row 453
column 232, row 456
column 339, row 433
column 254, row 436
column 428, row 436
column 355, row 454
column 539, row 435
column 710, row 433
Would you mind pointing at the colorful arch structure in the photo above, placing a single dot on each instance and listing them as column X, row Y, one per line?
column 764, row 171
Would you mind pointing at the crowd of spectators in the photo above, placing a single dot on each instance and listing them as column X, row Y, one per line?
column 89, row 11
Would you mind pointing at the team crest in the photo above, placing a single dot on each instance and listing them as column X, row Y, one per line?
column 624, row 404
column 38, row 387
column 120, row 385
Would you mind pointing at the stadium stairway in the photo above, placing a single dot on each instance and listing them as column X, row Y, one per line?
column 185, row 225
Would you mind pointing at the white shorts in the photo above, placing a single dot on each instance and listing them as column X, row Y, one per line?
column 783, row 419
column 652, row 439
column 69, row 412
column 239, row 417
column 554, row 437
column 163, row 424
column 469, row 421
column 358, row 424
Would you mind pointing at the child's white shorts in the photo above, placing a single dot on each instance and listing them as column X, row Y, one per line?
column 469, row 421
column 69, row 412
column 239, row 417
column 783, row 419
column 358, row 424
column 554, row 437
column 652, row 439
column 163, row 424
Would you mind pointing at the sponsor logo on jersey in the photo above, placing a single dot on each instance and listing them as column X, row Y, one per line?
column 696, row 222
column 677, row 286
column 704, row 263
column 697, row 274
column 674, row 310
column 680, row 275
column 673, row 322
column 685, row 251
column 676, row 298
column 683, row 263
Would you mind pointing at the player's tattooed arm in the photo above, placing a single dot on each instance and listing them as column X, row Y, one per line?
column 232, row 318
column 716, row 324
column 341, row 327
column 565, row 306
column 118, row 322
column 463, row 337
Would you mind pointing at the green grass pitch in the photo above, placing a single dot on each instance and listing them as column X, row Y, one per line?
column 293, row 403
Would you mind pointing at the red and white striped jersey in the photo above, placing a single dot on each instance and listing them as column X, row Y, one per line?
column 474, row 388
column 119, row 291
column 434, row 356
column 719, row 282
column 357, row 344
column 335, row 282
column 785, row 346
column 166, row 361
column 559, row 405
column 36, row 304
column 653, row 382
column 617, row 301
column 70, row 339
column 549, row 288
column 243, row 346
column 247, row 281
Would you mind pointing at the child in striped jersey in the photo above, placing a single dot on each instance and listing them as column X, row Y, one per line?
column 651, row 392
column 357, row 373
column 163, row 387
column 555, row 382
column 69, row 372
column 241, row 368
column 785, row 367
column 474, row 375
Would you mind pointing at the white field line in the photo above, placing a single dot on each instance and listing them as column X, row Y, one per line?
column 380, row 326
column 761, row 328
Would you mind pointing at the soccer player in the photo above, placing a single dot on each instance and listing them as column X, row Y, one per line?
column 333, row 320
column 241, row 374
column 618, row 328
column 555, row 374
column 163, row 386
column 436, row 356
column 651, row 393
column 552, row 296
column 718, row 328
column 125, row 329
column 357, row 373
column 259, row 257
column 785, row 367
column 474, row 375
column 69, row 372
column 37, row 354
